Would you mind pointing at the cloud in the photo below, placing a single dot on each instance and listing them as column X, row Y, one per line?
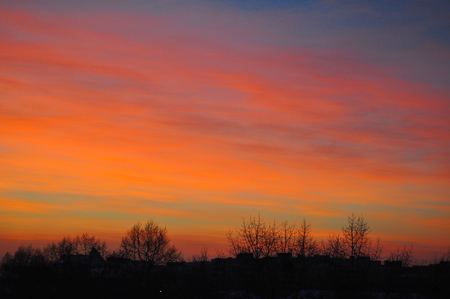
column 198, row 115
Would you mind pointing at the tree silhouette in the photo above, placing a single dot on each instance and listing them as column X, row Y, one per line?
column 70, row 268
column 149, row 243
column 334, row 246
column 24, row 273
column 81, row 244
column 54, row 251
column 85, row 242
column 355, row 236
column 24, row 256
column 203, row 256
column 263, row 239
column 286, row 238
column 446, row 256
column 353, row 241
column 306, row 245
column 404, row 255
column 256, row 237
column 353, row 249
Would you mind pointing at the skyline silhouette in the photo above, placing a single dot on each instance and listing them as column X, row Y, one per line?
column 151, row 242
column 268, row 260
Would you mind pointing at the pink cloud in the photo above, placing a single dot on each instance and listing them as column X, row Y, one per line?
column 166, row 109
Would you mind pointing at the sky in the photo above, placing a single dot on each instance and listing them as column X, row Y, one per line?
column 198, row 114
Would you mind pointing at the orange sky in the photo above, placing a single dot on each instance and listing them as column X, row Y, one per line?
column 197, row 116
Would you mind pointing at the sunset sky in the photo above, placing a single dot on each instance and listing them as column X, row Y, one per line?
column 199, row 113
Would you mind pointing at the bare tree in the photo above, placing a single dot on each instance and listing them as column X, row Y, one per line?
column 51, row 252
column 287, row 239
column 305, row 244
column 446, row 256
column 150, row 243
column 353, row 244
column 355, row 236
column 84, row 243
column 375, row 249
column 353, row 241
column 256, row 237
column 334, row 246
column 249, row 238
column 81, row 244
column 54, row 251
column 25, row 256
column 263, row 239
column 220, row 254
column 405, row 255
column 202, row 256
column 271, row 239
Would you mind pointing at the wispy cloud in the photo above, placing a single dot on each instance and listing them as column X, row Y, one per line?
column 215, row 111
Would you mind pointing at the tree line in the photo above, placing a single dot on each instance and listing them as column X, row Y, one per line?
column 269, row 260
column 149, row 242
column 266, row 239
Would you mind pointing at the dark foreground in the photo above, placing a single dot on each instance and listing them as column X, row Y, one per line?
column 244, row 277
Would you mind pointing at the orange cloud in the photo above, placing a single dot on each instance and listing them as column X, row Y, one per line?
column 120, row 116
